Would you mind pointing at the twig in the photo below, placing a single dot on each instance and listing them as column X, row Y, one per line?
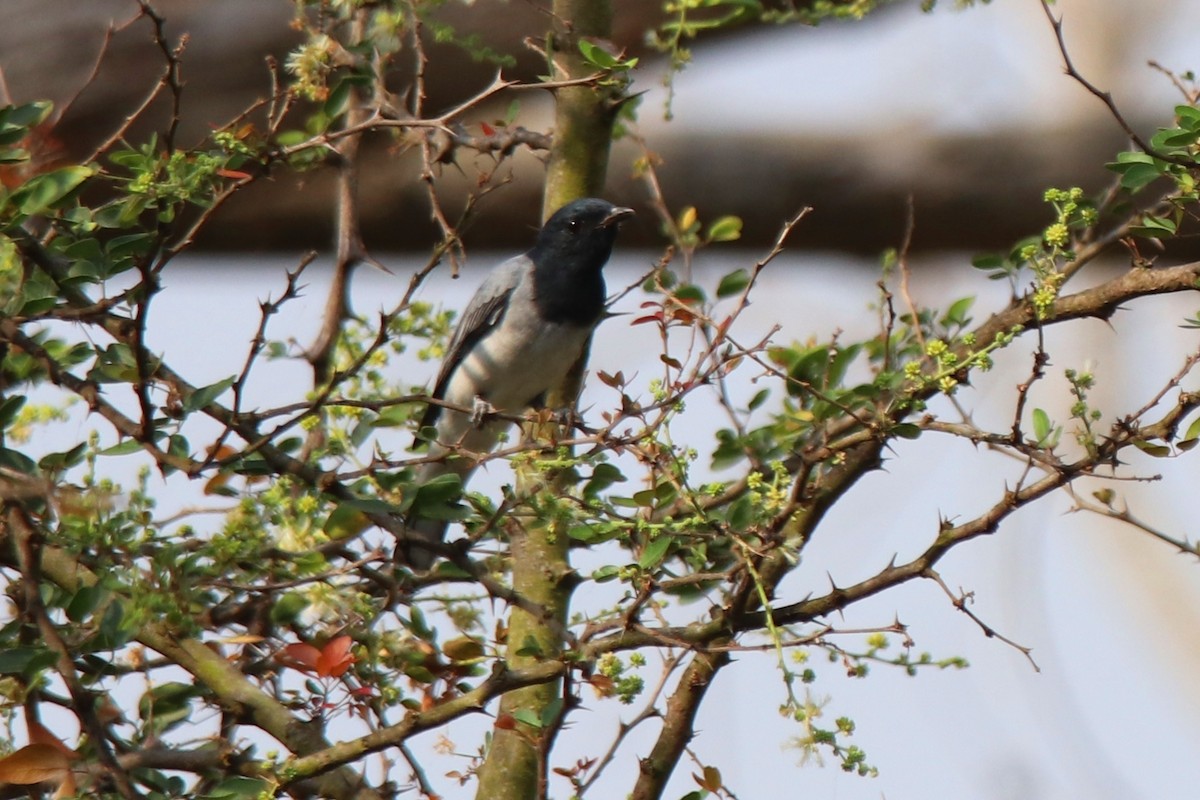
column 960, row 602
column 1103, row 96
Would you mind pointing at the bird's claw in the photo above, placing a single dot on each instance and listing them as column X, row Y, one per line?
column 480, row 411
column 565, row 418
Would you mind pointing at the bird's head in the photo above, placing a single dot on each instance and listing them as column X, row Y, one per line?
column 579, row 236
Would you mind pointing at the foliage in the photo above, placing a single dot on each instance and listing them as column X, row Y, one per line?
column 284, row 616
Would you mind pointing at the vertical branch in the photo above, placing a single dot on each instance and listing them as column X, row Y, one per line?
column 584, row 114
column 27, row 539
column 678, row 725
column 517, row 763
column 350, row 248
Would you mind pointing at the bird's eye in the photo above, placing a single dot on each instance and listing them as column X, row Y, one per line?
column 573, row 225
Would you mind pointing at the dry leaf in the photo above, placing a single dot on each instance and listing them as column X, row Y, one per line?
column 35, row 763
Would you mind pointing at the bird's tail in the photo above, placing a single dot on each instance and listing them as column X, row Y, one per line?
column 421, row 529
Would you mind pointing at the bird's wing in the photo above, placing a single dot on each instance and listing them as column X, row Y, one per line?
column 480, row 317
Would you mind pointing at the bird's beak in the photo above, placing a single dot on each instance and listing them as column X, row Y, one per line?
column 616, row 216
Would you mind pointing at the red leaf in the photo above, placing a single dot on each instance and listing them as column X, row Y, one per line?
column 506, row 722
column 237, row 175
column 335, row 657
column 301, row 656
column 488, row 130
column 611, row 380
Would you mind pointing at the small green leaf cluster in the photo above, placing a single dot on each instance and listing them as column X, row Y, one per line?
column 1081, row 383
column 16, row 122
column 818, row 739
column 689, row 233
column 626, row 686
column 944, row 365
column 1172, row 157
column 616, row 68
column 472, row 44
column 1047, row 435
column 1046, row 254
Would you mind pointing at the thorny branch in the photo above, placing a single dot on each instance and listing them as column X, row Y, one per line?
column 821, row 469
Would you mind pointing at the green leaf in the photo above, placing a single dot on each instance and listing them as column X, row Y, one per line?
column 733, row 283
column 1041, row 425
column 957, row 313
column 127, row 447
column 418, row 624
column 730, row 450
column 690, row 293
column 25, row 660
column 551, row 711
column 115, row 364
column 115, row 629
column 1136, row 176
column 645, row 498
column 240, row 787
column 287, row 609
column 725, row 229
column 528, row 716
column 84, row 602
column 10, row 407
column 55, row 462
column 583, row 533
column 438, row 499
column 1188, row 116
column 44, row 191
column 655, row 551
column 530, row 648
column 16, row 460
column 27, row 115
column 906, row 430
column 339, row 99
column 741, row 513
column 989, row 262
column 206, row 394
column 167, row 704
column 596, row 56
column 1191, row 437
column 1154, row 226
column 133, row 244
column 393, row 416
column 1151, row 449
column 604, row 475
column 606, row 573
column 1174, row 139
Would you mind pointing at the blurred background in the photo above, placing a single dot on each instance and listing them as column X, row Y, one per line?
column 970, row 114
column 967, row 112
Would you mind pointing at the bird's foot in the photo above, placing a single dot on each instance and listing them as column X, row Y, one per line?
column 565, row 418
column 480, row 411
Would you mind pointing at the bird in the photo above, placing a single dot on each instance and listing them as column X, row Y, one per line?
column 527, row 327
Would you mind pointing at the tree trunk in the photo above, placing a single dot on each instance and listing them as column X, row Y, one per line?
column 515, row 767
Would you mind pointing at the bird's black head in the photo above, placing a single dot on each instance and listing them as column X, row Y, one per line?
column 571, row 249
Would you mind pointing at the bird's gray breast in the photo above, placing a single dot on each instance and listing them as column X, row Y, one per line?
column 520, row 359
